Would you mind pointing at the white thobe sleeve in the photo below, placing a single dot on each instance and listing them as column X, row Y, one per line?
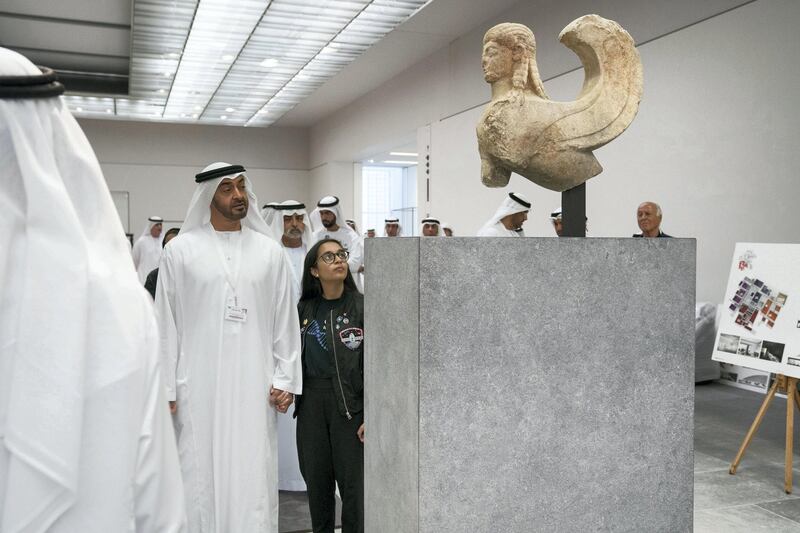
column 169, row 350
column 356, row 254
column 159, row 503
column 288, row 373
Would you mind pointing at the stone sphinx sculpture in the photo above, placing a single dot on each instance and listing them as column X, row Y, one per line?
column 549, row 142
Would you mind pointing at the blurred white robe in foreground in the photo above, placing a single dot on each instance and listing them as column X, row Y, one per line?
column 86, row 442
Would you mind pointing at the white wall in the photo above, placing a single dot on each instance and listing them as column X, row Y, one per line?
column 156, row 163
column 713, row 141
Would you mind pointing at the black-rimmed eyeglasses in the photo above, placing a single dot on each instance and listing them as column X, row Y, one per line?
column 329, row 257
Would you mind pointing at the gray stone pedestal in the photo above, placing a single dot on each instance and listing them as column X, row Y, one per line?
column 521, row 385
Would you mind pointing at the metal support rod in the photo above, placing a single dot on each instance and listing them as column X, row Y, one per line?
column 573, row 212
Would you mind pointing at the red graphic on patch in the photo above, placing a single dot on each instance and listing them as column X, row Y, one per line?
column 352, row 337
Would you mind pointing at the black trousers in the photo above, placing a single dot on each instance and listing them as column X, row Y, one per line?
column 329, row 452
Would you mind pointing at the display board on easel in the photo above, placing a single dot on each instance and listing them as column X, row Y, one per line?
column 760, row 324
column 760, row 329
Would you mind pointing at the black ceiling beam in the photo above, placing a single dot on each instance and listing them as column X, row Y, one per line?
column 56, row 20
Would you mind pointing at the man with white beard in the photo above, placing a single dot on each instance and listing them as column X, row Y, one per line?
column 508, row 219
column 326, row 219
column 290, row 220
column 230, row 343
column 147, row 248
column 86, row 442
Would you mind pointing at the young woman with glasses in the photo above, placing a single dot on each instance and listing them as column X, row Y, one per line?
column 330, row 417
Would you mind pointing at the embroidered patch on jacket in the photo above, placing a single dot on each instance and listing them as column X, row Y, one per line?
column 352, row 337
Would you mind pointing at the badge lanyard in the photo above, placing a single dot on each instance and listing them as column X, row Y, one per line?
column 233, row 311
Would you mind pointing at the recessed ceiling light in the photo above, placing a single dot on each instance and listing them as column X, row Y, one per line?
column 404, row 154
column 329, row 48
column 270, row 62
column 108, row 111
column 195, row 115
column 79, row 109
column 230, row 109
column 198, row 108
column 228, row 57
column 223, row 117
column 392, row 162
column 173, row 55
column 183, row 115
column 162, row 91
column 168, row 74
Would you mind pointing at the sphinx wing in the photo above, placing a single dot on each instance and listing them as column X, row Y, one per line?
column 612, row 88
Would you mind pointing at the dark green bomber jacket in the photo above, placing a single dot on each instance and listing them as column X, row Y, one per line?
column 348, row 349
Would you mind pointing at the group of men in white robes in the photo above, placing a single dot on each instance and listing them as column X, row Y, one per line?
column 87, row 386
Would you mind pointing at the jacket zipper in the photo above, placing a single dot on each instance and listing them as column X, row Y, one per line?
column 339, row 377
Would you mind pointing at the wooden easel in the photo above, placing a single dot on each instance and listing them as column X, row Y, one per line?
column 789, row 385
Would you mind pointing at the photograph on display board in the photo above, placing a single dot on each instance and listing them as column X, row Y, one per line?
column 745, row 378
column 760, row 326
column 772, row 351
column 728, row 343
column 754, row 380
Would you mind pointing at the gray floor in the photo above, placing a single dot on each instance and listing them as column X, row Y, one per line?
column 751, row 501
column 293, row 514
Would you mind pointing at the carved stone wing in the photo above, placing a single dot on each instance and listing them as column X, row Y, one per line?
column 612, row 87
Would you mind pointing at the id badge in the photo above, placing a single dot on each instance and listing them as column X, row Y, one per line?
column 234, row 312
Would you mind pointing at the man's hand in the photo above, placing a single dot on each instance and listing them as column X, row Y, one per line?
column 360, row 433
column 361, row 269
column 279, row 399
column 173, row 407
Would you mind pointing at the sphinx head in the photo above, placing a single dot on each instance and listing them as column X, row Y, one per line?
column 509, row 51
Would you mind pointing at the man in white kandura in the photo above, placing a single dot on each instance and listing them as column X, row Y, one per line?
column 230, row 343
column 147, row 248
column 392, row 228
column 291, row 220
column 430, row 227
column 326, row 219
column 268, row 213
column 86, row 443
column 558, row 221
column 508, row 219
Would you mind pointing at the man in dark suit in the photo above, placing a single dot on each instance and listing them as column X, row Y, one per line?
column 648, row 215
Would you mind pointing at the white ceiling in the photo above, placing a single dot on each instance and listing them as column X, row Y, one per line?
column 436, row 25
column 89, row 41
